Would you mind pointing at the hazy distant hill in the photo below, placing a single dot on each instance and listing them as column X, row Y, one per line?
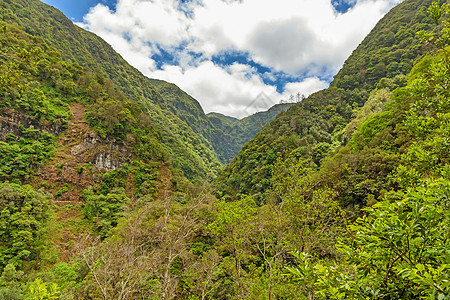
column 234, row 133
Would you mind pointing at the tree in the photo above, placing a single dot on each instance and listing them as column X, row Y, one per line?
column 399, row 250
column 440, row 38
column 147, row 253
column 23, row 216
column 39, row 290
column 10, row 285
column 104, row 210
column 235, row 226
column 310, row 216
column 203, row 275
column 118, row 267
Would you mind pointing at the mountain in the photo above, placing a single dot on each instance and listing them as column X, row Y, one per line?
column 196, row 148
column 390, row 49
column 213, row 128
column 190, row 151
column 315, row 127
column 71, row 136
column 91, row 131
column 231, row 133
column 101, row 197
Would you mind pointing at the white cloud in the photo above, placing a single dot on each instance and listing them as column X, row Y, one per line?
column 157, row 21
column 296, row 37
column 306, row 87
column 238, row 90
column 228, row 90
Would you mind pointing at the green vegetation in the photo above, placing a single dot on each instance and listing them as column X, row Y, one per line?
column 19, row 158
column 343, row 196
column 194, row 142
column 38, row 290
column 222, row 134
column 104, row 211
column 318, row 126
column 24, row 212
column 388, row 51
column 400, row 248
column 36, row 96
column 231, row 134
column 191, row 152
column 307, row 127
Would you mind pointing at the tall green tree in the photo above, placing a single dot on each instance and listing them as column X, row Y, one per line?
column 235, row 226
column 23, row 215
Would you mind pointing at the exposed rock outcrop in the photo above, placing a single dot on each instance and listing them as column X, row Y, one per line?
column 81, row 159
column 13, row 122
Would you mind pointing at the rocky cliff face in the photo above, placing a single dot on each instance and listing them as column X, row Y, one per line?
column 104, row 155
column 81, row 158
column 12, row 122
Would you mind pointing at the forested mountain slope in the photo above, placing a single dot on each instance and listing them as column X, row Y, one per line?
column 318, row 125
column 193, row 140
column 231, row 134
column 226, row 141
column 69, row 136
column 191, row 152
column 94, row 205
column 390, row 49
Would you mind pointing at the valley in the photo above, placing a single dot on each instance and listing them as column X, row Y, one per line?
column 117, row 186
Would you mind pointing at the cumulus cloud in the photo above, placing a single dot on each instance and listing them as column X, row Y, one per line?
column 285, row 45
column 230, row 90
column 306, row 87
column 303, row 39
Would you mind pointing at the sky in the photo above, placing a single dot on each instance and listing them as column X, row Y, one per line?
column 236, row 57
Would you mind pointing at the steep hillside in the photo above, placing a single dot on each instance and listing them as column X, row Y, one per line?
column 390, row 49
column 221, row 120
column 214, row 129
column 231, row 134
column 191, row 153
column 316, row 127
column 190, row 111
column 93, row 204
column 184, row 106
column 68, row 135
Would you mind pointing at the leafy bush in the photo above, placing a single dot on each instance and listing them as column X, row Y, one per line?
column 39, row 290
column 10, row 285
column 104, row 211
column 23, row 215
column 400, row 250
column 19, row 158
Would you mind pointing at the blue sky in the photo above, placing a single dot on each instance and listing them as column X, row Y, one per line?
column 75, row 10
column 227, row 53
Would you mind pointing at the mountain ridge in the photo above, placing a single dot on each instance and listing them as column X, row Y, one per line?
column 85, row 48
column 166, row 105
column 348, row 190
column 313, row 128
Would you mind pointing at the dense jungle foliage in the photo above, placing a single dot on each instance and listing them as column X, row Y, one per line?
column 191, row 152
column 354, row 205
column 317, row 127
